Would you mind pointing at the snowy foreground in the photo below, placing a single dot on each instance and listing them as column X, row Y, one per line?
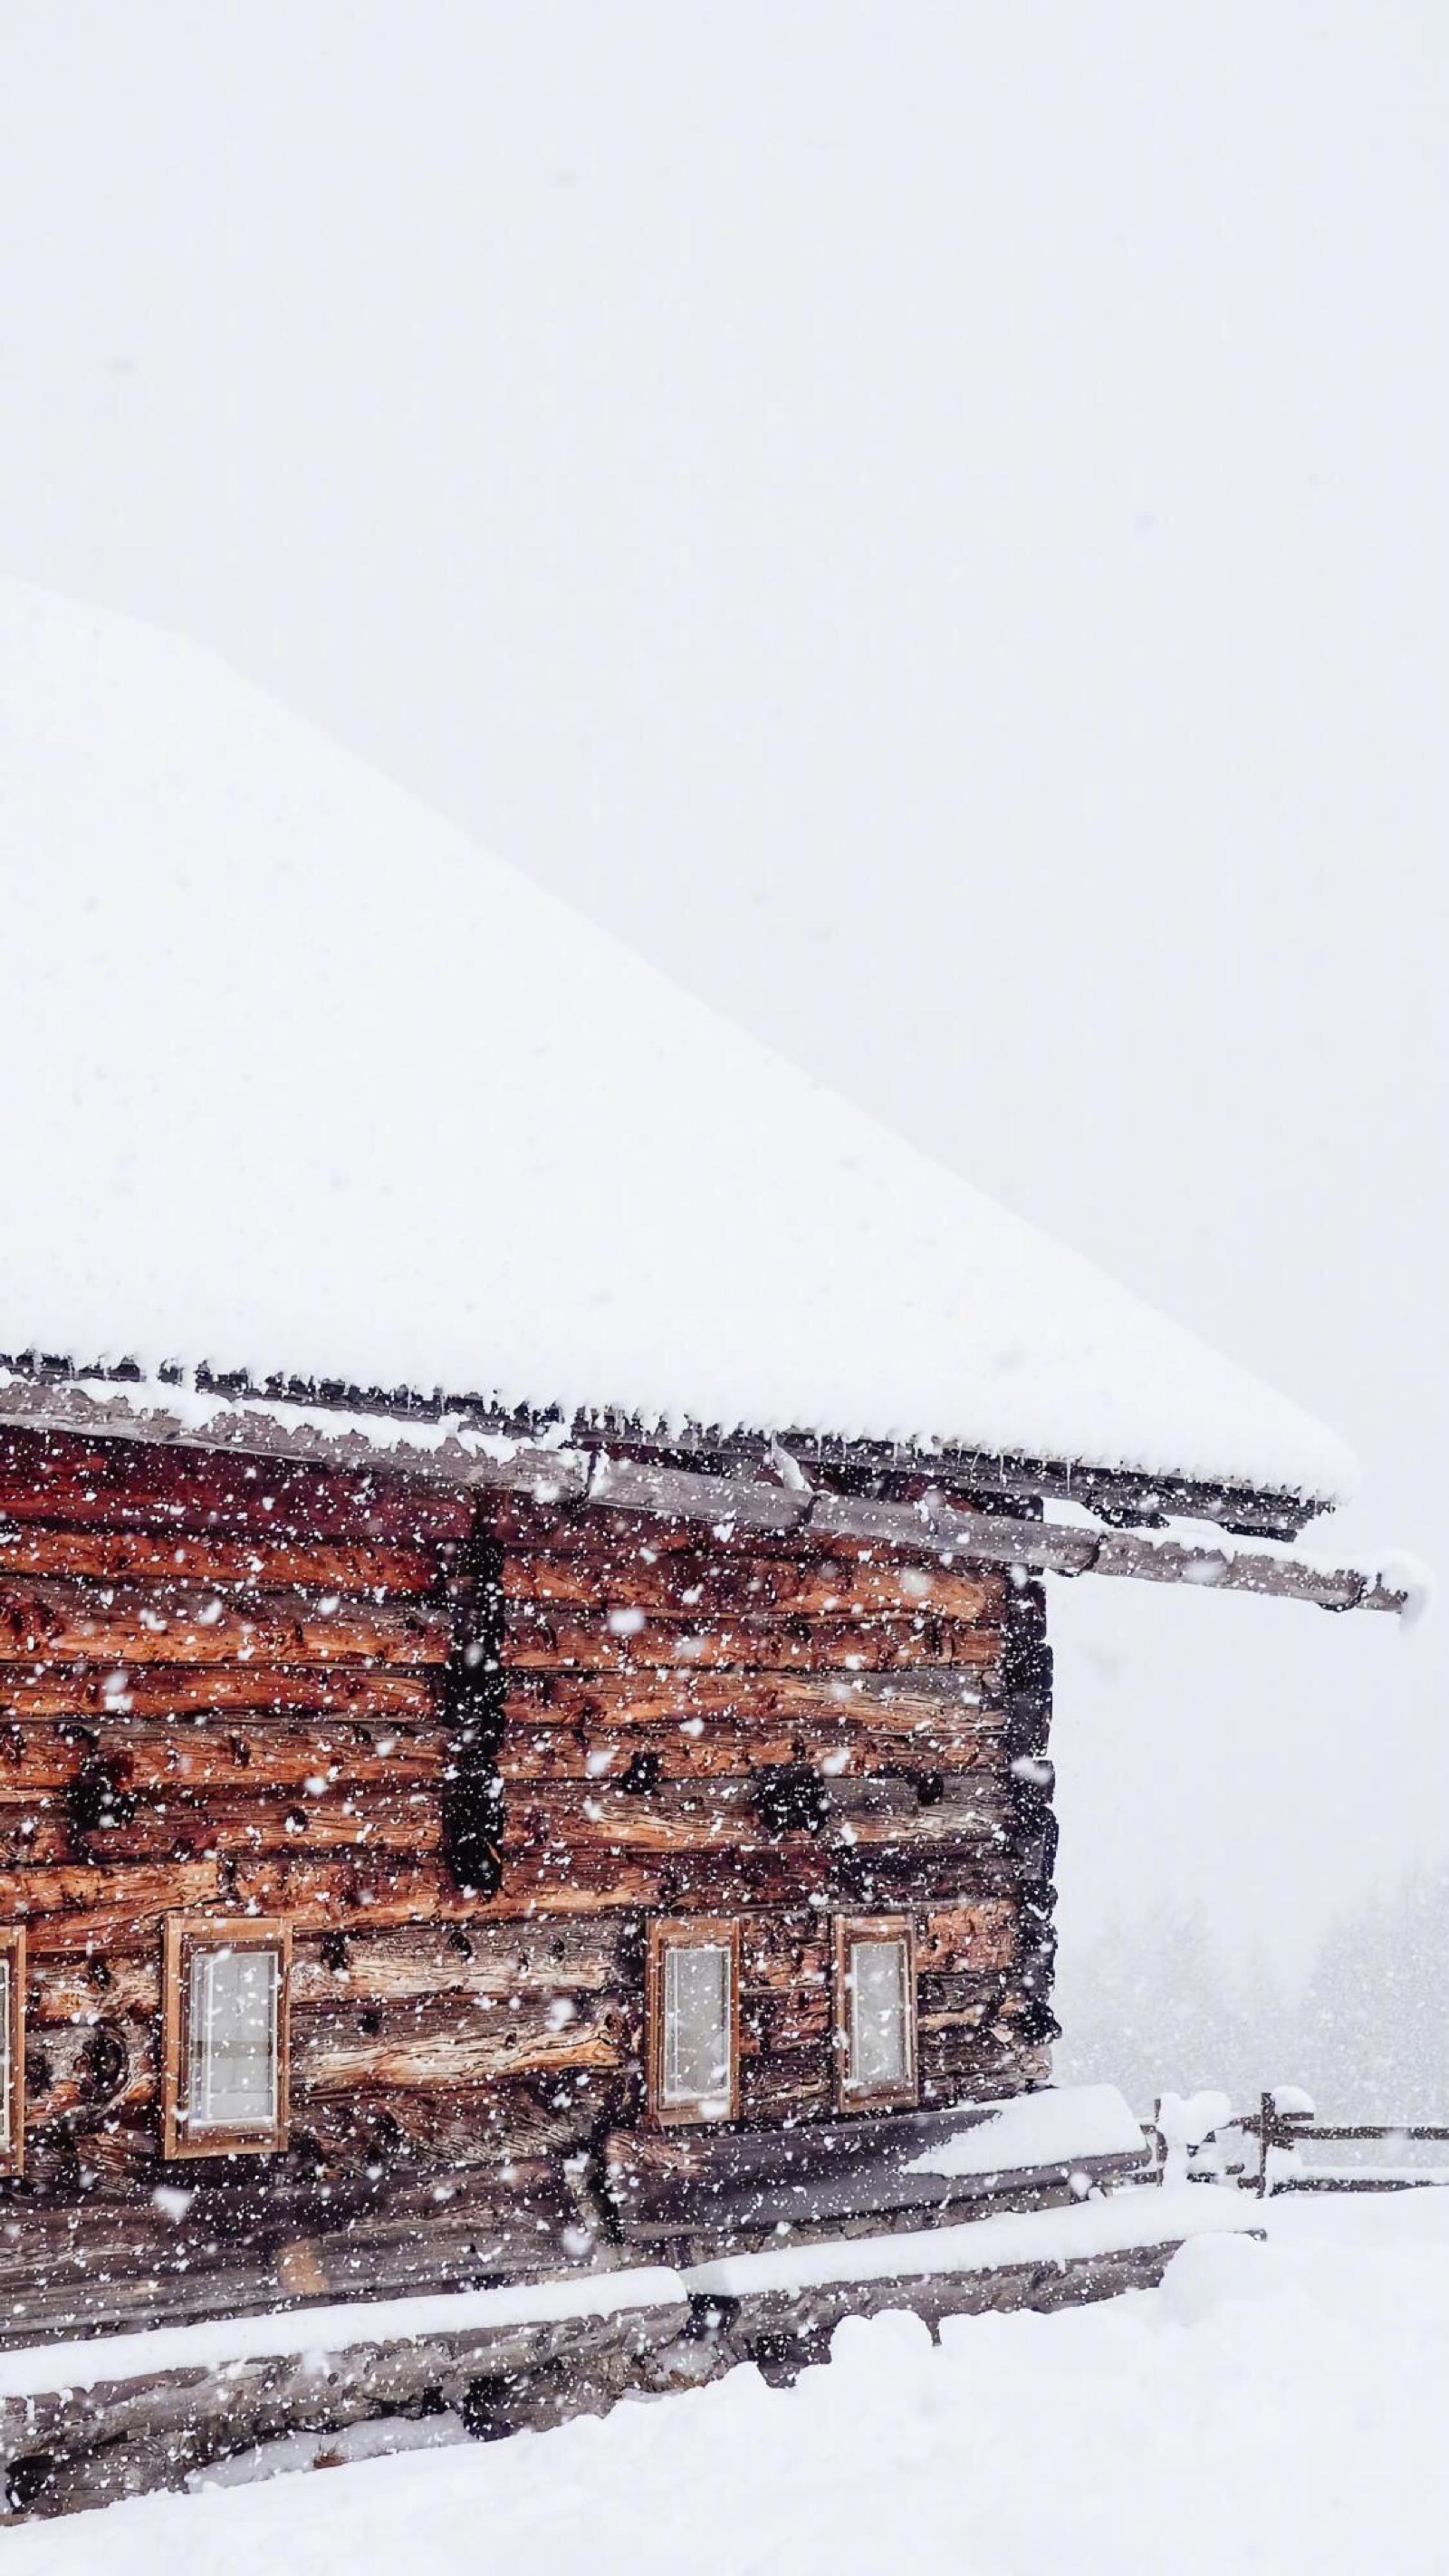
column 1275, row 2406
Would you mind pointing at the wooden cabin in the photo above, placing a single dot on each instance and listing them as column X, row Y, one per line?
column 454, row 1837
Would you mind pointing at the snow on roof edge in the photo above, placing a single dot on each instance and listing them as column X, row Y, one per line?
column 398, row 1419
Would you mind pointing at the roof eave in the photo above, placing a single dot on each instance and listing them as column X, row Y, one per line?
column 556, row 1470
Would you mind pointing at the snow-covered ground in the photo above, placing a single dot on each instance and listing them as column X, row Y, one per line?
column 1277, row 2406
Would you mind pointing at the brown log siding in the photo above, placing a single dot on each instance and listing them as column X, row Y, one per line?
column 223, row 1687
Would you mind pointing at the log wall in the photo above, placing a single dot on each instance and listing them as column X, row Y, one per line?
column 243, row 1686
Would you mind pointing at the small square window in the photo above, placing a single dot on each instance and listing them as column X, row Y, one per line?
column 693, row 2005
column 12, row 2049
column 875, row 2010
column 225, row 2072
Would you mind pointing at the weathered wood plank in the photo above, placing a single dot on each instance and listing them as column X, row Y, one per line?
column 65, row 1910
column 968, row 1938
column 54, row 1622
column 696, row 1748
column 111, row 2064
column 196, row 1759
column 63, row 1991
column 705, row 1583
column 610, row 1641
column 451, row 2043
column 495, row 1960
column 672, row 2183
column 183, row 1691
column 365, row 1890
column 36, row 1839
column 905, row 1700
column 794, row 2085
column 125, row 1483
column 724, row 1813
column 181, row 1827
column 40, row 1549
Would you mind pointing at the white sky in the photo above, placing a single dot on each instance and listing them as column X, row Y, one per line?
column 929, row 520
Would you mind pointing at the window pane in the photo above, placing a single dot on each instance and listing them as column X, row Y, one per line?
column 233, row 2015
column 4, row 2051
column 696, row 2024
column 879, row 2032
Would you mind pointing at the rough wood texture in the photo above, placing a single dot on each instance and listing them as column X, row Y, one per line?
column 261, row 1688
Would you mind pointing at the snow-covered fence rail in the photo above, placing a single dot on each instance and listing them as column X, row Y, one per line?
column 1263, row 2151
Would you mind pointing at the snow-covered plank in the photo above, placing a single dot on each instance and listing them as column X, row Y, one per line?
column 1063, row 2124
column 221, row 2343
column 1137, row 2215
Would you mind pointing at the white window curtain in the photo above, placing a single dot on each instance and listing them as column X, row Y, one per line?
column 880, row 2045
column 6, row 2070
column 232, row 2074
column 697, row 2014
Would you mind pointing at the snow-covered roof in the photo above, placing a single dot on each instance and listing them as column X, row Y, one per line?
column 300, row 1082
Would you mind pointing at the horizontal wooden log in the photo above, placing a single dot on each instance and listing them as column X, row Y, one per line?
column 968, row 1938
column 64, row 1991
column 123, row 2437
column 789, row 2087
column 262, row 2206
column 180, row 1691
column 494, row 1961
column 713, row 1814
column 957, row 2061
column 41, row 1761
column 611, row 1641
column 65, row 1910
column 553, row 1828
column 452, row 2043
column 506, row 2121
column 180, row 1827
column 191, row 1758
column 367, row 2264
column 375, row 1892
column 672, row 2183
column 524, row 1526
column 36, row 1840
column 909, row 1700
column 786, row 2332
column 110, row 2065
column 163, row 1624
column 774, row 2023
column 41, row 1549
column 698, row 1749
column 140, row 1484
column 967, row 2000
column 705, row 1583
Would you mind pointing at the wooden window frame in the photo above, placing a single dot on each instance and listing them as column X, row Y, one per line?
column 12, row 2133
column 185, row 1935
column 875, row 2097
column 689, row 1932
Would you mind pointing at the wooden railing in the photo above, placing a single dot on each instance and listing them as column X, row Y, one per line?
column 1271, row 2129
